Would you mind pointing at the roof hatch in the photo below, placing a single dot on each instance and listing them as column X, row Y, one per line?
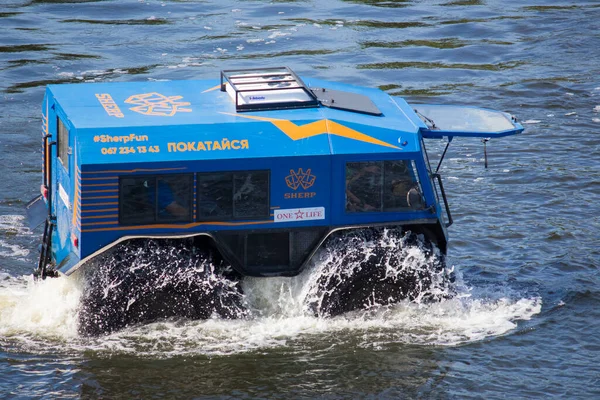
column 280, row 88
column 266, row 89
column 346, row 101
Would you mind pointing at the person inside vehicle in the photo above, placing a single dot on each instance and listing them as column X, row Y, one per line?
column 406, row 193
column 168, row 206
column 402, row 187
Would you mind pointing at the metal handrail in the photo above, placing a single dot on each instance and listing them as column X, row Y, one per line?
column 440, row 184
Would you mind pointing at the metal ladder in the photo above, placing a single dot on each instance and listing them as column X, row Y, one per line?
column 45, row 260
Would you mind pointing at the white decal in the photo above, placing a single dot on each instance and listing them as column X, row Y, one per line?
column 299, row 214
column 63, row 195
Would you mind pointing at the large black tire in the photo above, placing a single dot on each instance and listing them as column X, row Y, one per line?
column 143, row 281
column 374, row 267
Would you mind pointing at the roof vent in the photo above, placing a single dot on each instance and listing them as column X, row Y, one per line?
column 266, row 89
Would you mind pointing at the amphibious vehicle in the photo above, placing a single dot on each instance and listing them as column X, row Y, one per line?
column 246, row 175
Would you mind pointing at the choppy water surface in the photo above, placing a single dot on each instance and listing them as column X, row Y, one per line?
column 525, row 243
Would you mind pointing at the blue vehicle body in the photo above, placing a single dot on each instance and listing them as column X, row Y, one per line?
column 103, row 139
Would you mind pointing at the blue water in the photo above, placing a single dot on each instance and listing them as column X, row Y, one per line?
column 525, row 243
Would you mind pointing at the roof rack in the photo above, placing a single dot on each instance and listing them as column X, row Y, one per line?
column 266, row 89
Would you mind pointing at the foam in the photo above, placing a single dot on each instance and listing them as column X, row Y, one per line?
column 44, row 309
column 42, row 316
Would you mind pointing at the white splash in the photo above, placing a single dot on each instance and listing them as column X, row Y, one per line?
column 45, row 309
column 44, row 314
column 448, row 323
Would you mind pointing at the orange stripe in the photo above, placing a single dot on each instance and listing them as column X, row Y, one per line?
column 101, row 223
column 76, row 199
column 112, row 203
column 101, row 197
column 100, row 179
column 186, row 226
column 102, row 216
column 102, row 210
column 101, row 191
column 101, row 184
column 212, row 88
column 134, row 170
column 315, row 128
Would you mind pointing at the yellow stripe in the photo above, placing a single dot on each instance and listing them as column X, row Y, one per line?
column 212, row 88
column 99, row 179
column 101, row 210
column 76, row 199
column 101, row 223
column 112, row 203
column 101, row 191
column 102, row 216
column 320, row 127
column 133, row 170
column 101, row 184
column 101, row 197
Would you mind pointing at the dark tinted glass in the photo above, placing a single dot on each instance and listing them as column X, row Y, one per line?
column 364, row 182
column 152, row 199
column 251, row 194
column 233, row 195
column 215, row 193
column 401, row 187
column 382, row 186
column 137, row 200
column 174, row 198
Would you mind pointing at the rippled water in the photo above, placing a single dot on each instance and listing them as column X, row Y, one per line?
column 525, row 243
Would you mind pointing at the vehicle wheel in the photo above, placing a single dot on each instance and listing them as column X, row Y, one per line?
column 143, row 281
column 376, row 267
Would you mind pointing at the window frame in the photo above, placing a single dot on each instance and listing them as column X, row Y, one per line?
column 232, row 216
column 156, row 218
column 383, row 175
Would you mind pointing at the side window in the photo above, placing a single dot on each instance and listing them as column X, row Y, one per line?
column 174, row 198
column 137, row 201
column 63, row 143
column 364, row 181
column 375, row 186
column 233, row 195
column 402, row 189
column 215, row 195
column 155, row 199
column 251, row 194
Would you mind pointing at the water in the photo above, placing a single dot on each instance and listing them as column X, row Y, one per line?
column 525, row 243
